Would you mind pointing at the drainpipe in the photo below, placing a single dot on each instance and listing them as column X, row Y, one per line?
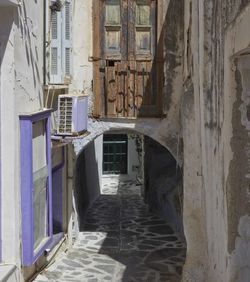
column 1, row 54
column 45, row 10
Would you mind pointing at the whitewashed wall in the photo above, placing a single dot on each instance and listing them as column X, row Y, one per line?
column 82, row 47
column 21, row 78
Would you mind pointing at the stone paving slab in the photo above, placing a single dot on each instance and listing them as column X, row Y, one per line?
column 121, row 241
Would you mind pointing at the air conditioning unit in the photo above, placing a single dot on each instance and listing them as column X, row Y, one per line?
column 72, row 114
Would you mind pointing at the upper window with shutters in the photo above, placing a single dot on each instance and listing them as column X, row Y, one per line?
column 60, row 47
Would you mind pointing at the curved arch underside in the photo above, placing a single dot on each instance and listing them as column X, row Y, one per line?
column 159, row 130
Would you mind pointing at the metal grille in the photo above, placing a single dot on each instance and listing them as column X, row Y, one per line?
column 67, row 61
column 65, row 115
column 67, row 21
column 54, row 61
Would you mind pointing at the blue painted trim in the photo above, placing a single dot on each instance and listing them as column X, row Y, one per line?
column 26, row 188
column 55, row 240
column 36, row 116
column 29, row 256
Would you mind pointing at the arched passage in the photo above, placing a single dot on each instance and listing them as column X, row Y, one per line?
column 159, row 130
column 156, row 134
column 149, row 214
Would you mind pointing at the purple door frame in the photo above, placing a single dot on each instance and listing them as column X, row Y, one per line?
column 29, row 256
column 57, row 191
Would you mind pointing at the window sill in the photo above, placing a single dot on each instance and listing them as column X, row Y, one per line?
column 56, row 86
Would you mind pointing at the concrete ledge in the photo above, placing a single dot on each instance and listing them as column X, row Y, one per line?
column 5, row 3
column 8, row 273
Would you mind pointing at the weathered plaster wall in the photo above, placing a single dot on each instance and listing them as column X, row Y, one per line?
column 237, row 68
column 21, row 36
column 215, row 107
column 82, row 48
column 193, row 194
column 204, row 208
column 163, row 183
column 9, row 169
column 134, row 158
column 87, row 176
column 172, row 40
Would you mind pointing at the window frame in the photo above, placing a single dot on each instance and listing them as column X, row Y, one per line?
column 29, row 253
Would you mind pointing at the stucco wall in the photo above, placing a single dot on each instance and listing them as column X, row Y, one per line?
column 163, row 183
column 87, row 175
column 214, row 125
column 160, row 130
column 237, row 68
column 21, row 36
column 82, row 48
column 134, row 158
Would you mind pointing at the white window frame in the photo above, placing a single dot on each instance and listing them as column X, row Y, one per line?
column 61, row 43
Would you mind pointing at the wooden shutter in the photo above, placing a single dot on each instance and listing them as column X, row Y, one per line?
column 128, row 79
column 66, row 41
column 56, row 51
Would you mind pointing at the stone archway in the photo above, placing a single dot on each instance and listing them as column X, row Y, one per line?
column 161, row 181
column 159, row 130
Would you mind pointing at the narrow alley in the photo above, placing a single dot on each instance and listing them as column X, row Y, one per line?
column 121, row 241
column 124, row 140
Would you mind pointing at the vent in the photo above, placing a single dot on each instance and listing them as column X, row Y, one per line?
column 72, row 114
column 67, row 61
column 66, row 109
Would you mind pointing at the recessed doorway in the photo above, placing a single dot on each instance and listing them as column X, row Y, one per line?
column 115, row 154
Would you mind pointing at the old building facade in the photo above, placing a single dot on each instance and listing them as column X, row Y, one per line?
column 175, row 71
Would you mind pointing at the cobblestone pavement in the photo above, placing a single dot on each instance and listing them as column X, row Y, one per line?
column 122, row 241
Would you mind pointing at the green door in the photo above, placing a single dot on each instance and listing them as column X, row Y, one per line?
column 115, row 153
